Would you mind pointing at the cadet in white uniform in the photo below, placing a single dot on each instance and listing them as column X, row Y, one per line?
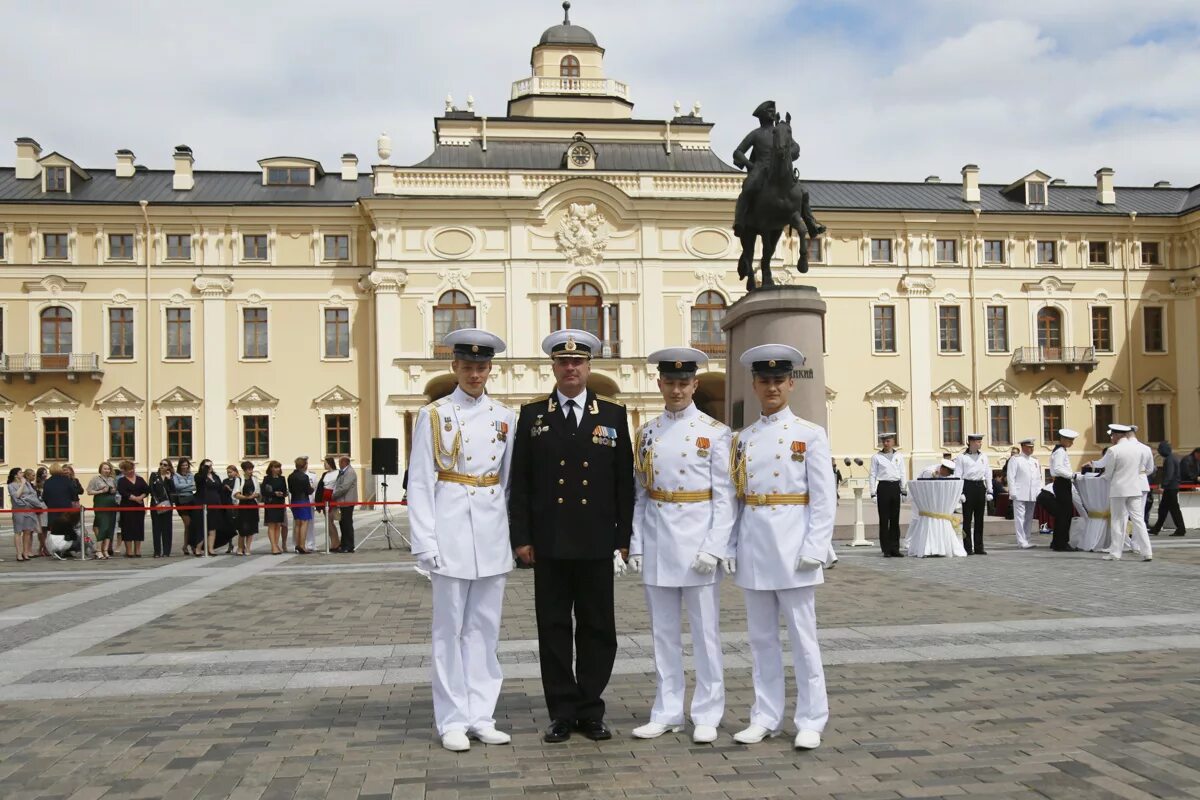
column 457, row 506
column 1024, row 483
column 682, row 520
column 1147, row 470
column 972, row 466
column 1125, row 468
column 1064, row 503
column 887, row 482
column 780, row 467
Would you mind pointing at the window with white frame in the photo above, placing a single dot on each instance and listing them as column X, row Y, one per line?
column 337, row 435
column 993, row 251
column 1000, row 424
column 1154, row 329
column 1104, row 414
column 1097, row 252
column 120, row 333
column 952, row 425
column 1052, row 421
column 1102, row 341
column 120, row 247
column 179, row 333
column 56, row 246
column 881, row 251
column 179, row 437
column 997, row 328
column 121, row 438
column 289, row 176
column 887, row 420
column 56, row 439
column 885, row 328
column 1156, row 422
column 337, row 333
column 815, row 251
column 254, row 247
column 3, row 452
column 1035, row 193
column 179, row 246
column 337, row 247
column 947, row 251
column 949, row 330
column 56, row 179
column 1150, row 254
column 255, row 336
column 3, row 242
column 256, row 436
column 1047, row 252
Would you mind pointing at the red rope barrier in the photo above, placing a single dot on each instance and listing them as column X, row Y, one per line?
column 248, row 506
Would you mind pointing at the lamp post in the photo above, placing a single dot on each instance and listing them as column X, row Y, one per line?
column 857, row 485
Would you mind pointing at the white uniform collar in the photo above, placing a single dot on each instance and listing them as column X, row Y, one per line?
column 461, row 398
column 687, row 413
column 783, row 415
column 580, row 399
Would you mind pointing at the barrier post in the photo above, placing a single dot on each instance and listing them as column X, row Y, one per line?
column 204, row 530
column 327, row 523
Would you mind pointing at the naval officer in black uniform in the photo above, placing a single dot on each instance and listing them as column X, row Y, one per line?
column 571, row 518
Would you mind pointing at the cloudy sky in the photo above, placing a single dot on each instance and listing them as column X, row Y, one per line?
column 885, row 89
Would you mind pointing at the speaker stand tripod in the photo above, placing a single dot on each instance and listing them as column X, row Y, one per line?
column 385, row 525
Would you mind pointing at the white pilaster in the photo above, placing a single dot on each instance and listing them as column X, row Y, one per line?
column 214, row 289
column 1189, row 367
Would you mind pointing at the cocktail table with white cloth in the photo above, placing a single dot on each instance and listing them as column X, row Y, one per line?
column 1091, row 533
column 933, row 530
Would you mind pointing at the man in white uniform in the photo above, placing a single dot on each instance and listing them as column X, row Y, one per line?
column 1147, row 470
column 682, row 520
column 972, row 466
column 887, row 482
column 1062, row 475
column 457, row 507
column 1024, row 483
column 780, row 467
column 1126, row 471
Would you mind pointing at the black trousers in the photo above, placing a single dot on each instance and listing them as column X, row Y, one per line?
column 1169, row 504
column 585, row 587
column 1064, row 510
column 160, row 525
column 887, row 501
column 346, row 526
column 973, row 510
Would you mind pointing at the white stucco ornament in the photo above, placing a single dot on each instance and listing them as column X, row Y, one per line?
column 583, row 234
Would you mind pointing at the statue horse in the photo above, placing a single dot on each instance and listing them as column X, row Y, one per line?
column 782, row 201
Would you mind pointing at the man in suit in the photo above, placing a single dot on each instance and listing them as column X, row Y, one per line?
column 345, row 490
column 1024, row 483
column 1125, row 469
column 571, row 519
column 887, row 483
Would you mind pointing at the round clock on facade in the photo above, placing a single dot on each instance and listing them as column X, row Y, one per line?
column 581, row 155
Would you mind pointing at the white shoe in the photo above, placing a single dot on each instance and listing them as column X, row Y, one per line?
column 1111, row 557
column 456, row 741
column 57, row 557
column 1147, row 558
column 807, row 740
column 491, row 736
column 754, row 734
column 704, row 734
column 1028, row 546
column 652, row 730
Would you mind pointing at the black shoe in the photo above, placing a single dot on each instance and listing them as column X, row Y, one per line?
column 1179, row 533
column 594, row 729
column 897, row 554
column 981, row 552
column 1153, row 533
column 559, row 731
column 887, row 555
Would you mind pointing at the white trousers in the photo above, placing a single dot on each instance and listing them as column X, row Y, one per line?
column 762, row 619
column 1022, row 519
column 1124, row 511
column 704, row 618
column 466, row 672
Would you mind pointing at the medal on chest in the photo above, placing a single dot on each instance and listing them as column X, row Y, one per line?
column 539, row 426
column 703, row 445
column 604, row 435
column 798, row 449
column 447, row 427
column 501, row 431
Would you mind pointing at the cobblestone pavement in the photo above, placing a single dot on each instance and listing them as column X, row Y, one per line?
column 1023, row 674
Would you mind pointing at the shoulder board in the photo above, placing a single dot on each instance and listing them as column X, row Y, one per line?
column 441, row 401
column 716, row 423
column 541, row 401
column 807, row 423
column 608, row 399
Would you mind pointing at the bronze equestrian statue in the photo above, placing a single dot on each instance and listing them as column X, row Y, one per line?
column 772, row 196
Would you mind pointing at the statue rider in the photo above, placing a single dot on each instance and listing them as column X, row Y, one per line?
column 754, row 154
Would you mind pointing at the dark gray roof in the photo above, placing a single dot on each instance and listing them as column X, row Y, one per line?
column 615, row 156
column 218, row 188
column 1193, row 199
column 568, row 34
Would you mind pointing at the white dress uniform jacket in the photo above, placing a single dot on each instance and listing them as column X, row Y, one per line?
column 466, row 526
column 1147, row 465
column 1024, row 478
column 1060, row 464
column 1124, row 469
column 973, row 467
column 689, row 452
column 768, row 539
column 886, row 467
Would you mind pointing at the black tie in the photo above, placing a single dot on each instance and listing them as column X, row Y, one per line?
column 572, row 421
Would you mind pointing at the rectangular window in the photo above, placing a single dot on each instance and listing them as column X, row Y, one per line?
column 1052, row 420
column 254, row 247
column 56, row 439
column 949, row 338
column 256, row 430
column 120, row 333
column 337, row 248
column 1150, row 254
column 997, row 329
column 337, row 435
column 947, row 251
column 1047, row 252
column 1097, row 252
column 254, row 333
column 1155, row 335
column 179, row 246
column 2, row 449
column 56, row 179
column 120, row 438
column 885, row 329
column 120, row 246
column 993, row 251
column 337, row 333
column 179, row 437
column 952, row 425
column 179, row 333
column 887, row 420
column 56, row 246
column 1106, row 414
column 1156, row 422
column 1035, row 193
column 1000, row 424
column 815, row 251
column 289, row 176
column 2, row 243
column 1102, row 329
column 881, row 251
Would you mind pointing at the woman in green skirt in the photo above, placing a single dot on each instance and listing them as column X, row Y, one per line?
column 103, row 489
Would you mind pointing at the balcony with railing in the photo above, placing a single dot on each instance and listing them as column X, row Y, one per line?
column 30, row 365
column 596, row 87
column 1036, row 359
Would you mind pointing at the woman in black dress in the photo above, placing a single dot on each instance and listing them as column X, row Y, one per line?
column 247, row 515
column 274, row 492
column 212, row 493
column 162, row 497
column 131, row 492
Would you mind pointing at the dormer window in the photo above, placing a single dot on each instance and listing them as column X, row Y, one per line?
column 289, row 176
column 1033, row 189
column 1035, row 193
column 290, row 171
column 56, row 179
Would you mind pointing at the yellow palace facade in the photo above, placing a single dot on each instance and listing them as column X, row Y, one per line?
column 288, row 310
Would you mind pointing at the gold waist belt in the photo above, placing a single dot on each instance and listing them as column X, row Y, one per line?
column 935, row 515
column 664, row 496
column 468, row 480
column 774, row 499
column 1099, row 515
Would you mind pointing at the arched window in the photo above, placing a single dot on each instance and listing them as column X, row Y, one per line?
column 452, row 312
column 584, row 303
column 56, row 331
column 568, row 70
column 707, row 314
column 1049, row 332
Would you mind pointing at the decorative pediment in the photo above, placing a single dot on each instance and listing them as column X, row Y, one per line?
column 6, row 405
column 887, row 391
column 1051, row 388
column 1157, row 386
column 336, row 397
column 1047, row 285
column 1103, row 388
column 57, row 159
column 53, row 399
column 53, row 285
column 178, row 398
column 1000, row 388
column 255, row 397
column 1037, row 176
column 120, row 398
column 952, row 388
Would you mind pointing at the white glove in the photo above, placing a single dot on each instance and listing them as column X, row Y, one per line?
column 635, row 564
column 731, row 565
column 705, row 563
column 805, row 563
column 962, row 498
column 428, row 561
column 989, row 498
column 619, row 567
